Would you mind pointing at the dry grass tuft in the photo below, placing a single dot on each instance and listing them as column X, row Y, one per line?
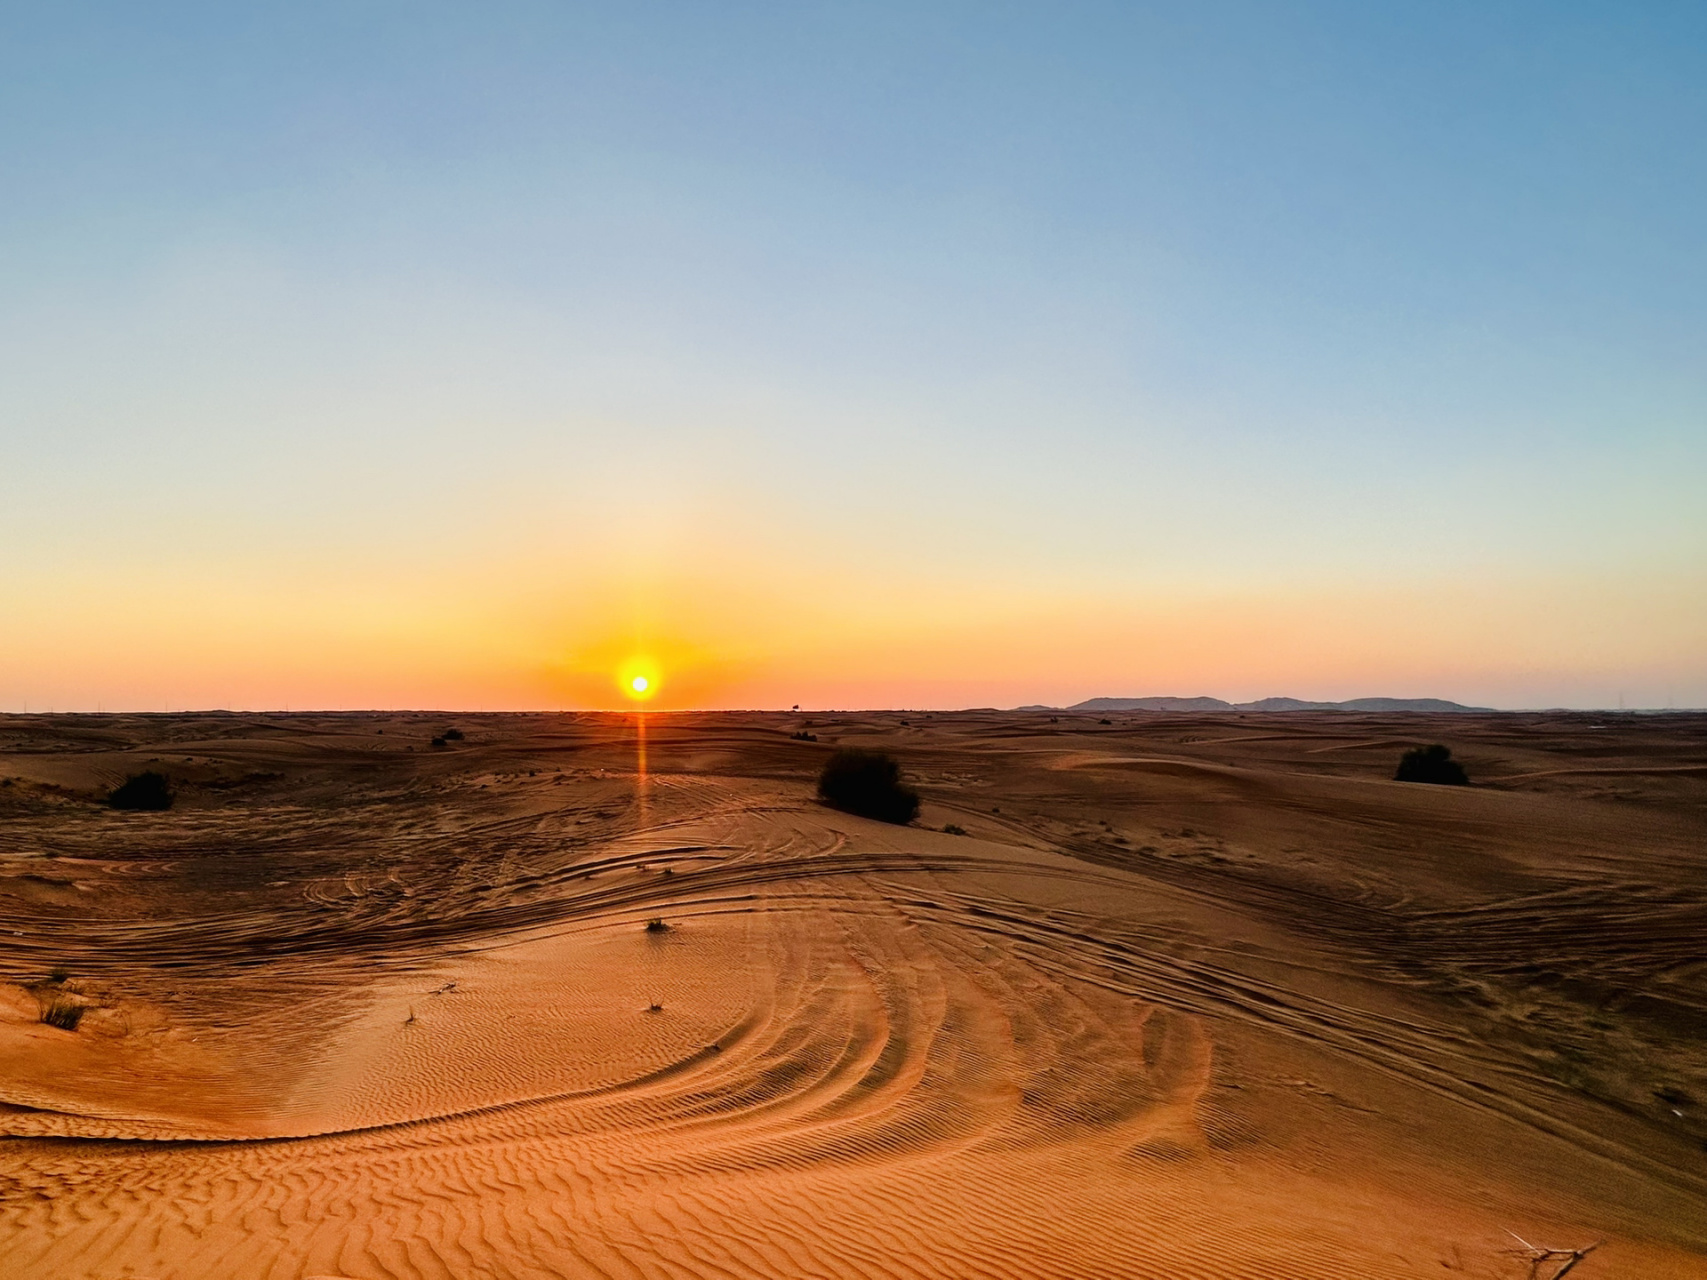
column 57, row 1011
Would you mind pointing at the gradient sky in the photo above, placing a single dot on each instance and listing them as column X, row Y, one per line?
column 424, row 354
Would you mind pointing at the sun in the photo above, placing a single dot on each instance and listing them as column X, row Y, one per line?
column 638, row 678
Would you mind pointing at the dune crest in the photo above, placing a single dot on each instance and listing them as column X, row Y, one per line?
column 1185, row 999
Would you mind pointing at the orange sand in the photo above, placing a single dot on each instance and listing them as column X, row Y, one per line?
column 1194, row 996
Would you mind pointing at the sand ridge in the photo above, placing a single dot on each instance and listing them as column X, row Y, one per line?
column 1194, row 996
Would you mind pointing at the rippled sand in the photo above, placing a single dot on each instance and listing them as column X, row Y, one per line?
column 1192, row 996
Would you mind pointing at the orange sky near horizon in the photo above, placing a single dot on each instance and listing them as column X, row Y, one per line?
column 496, row 642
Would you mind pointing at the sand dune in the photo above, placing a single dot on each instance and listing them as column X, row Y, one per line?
column 1193, row 996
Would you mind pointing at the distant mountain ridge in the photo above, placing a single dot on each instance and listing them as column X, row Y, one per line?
column 1262, row 704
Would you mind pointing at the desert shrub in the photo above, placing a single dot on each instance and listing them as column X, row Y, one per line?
column 954, row 829
column 868, row 783
column 59, row 1012
column 655, row 925
column 803, row 736
column 146, row 790
column 438, row 742
column 453, row 735
column 1432, row 763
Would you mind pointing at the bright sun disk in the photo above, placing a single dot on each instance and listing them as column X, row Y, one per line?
column 638, row 678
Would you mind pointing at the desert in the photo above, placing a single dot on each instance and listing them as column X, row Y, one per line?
column 615, row 995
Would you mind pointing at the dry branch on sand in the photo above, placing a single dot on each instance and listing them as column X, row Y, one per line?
column 1541, row 1257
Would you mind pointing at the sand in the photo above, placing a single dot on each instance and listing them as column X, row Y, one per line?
column 1192, row 996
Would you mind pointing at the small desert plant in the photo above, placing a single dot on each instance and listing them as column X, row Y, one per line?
column 147, row 790
column 954, row 829
column 58, row 974
column 803, row 736
column 57, row 1011
column 453, row 735
column 1431, row 764
column 438, row 742
column 655, row 925
column 869, row 784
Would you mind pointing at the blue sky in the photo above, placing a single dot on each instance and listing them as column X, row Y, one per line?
column 854, row 350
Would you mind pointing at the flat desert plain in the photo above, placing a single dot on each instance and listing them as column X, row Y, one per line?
column 615, row 996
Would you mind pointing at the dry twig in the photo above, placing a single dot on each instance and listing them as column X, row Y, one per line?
column 1540, row 1257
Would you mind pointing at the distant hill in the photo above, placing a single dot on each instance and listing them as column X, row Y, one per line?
column 1152, row 704
column 1262, row 704
column 1406, row 704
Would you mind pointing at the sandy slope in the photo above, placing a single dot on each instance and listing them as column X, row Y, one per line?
column 1194, row 996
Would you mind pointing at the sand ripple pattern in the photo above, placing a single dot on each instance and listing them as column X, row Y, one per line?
column 436, row 1040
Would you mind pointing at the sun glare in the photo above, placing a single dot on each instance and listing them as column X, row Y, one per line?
column 638, row 679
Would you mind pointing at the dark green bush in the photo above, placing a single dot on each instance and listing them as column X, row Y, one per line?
column 868, row 783
column 1431, row 764
column 148, row 790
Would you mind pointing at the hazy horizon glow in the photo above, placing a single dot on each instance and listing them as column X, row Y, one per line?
column 924, row 356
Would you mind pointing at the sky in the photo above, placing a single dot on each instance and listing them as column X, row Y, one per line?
column 855, row 355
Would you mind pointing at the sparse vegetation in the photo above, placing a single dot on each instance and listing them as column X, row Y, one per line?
column 438, row 742
column 655, row 925
column 868, row 783
column 1431, row 764
column 148, row 790
column 803, row 736
column 453, row 735
column 953, row 829
column 58, row 1011
column 58, row 974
